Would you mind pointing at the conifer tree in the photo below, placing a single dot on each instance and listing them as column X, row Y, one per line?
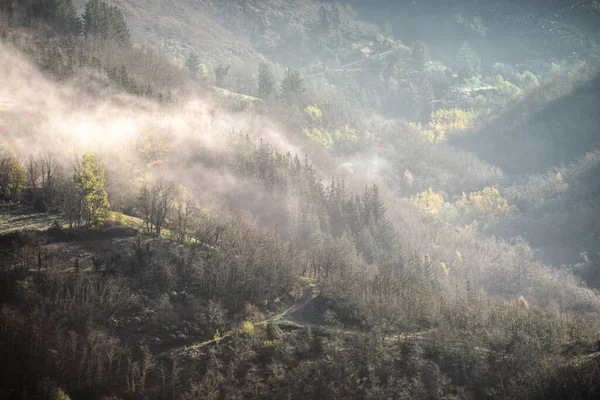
column 334, row 16
column 324, row 20
column 117, row 27
column 419, row 57
column 292, row 84
column 193, row 62
column 61, row 15
column 469, row 60
column 266, row 81
column 94, row 22
column 220, row 74
column 104, row 21
column 423, row 100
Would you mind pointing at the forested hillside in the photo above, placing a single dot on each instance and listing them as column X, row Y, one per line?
column 281, row 199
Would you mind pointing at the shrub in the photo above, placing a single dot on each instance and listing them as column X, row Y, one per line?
column 270, row 348
column 49, row 390
column 273, row 332
column 247, row 329
column 313, row 113
column 217, row 336
column 321, row 137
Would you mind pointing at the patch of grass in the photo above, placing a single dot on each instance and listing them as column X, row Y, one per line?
column 18, row 217
column 234, row 95
column 118, row 218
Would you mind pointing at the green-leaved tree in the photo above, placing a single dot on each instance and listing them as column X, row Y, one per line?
column 91, row 184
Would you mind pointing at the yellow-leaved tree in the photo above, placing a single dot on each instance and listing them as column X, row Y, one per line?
column 429, row 202
column 313, row 113
column 484, row 205
column 445, row 121
column 152, row 145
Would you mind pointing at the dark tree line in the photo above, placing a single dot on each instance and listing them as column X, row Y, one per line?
column 98, row 20
column 105, row 21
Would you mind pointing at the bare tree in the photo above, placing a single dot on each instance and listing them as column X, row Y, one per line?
column 33, row 174
column 49, row 171
column 155, row 202
column 185, row 215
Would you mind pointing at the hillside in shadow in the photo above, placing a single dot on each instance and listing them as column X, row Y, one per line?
column 529, row 139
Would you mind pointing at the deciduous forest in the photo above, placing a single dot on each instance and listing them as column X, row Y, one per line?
column 277, row 199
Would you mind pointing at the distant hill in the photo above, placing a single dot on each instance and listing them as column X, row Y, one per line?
column 509, row 30
column 558, row 132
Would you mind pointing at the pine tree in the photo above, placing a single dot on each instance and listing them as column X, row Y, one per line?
column 193, row 62
column 324, row 20
column 266, row 81
column 292, row 84
column 469, row 60
column 61, row 15
column 117, row 27
column 419, row 57
column 334, row 16
column 94, row 22
column 220, row 74
column 104, row 21
column 423, row 100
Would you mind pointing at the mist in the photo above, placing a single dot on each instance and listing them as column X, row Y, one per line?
column 299, row 199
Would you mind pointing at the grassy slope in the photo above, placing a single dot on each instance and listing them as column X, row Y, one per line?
column 15, row 218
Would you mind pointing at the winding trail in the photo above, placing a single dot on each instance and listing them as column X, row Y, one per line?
column 292, row 316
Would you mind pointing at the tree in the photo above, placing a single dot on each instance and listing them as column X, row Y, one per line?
column 324, row 19
column 266, row 81
column 185, row 217
column 419, row 57
column 485, row 204
column 104, row 21
column 292, row 84
column 220, row 74
column 13, row 175
column 448, row 120
column 117, row 27
column 193, row 62
column 156, row 202
column 429, row 202
column 153, row 145
column 90, row 180
column 423, row 99
column 94, row 21
column 334, row 16
column 49, row 172
column 468, row 60
column 61, row 14
column 314, row 113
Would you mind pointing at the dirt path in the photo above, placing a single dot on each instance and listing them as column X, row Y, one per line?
column 294, row 315
column 291, row 316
